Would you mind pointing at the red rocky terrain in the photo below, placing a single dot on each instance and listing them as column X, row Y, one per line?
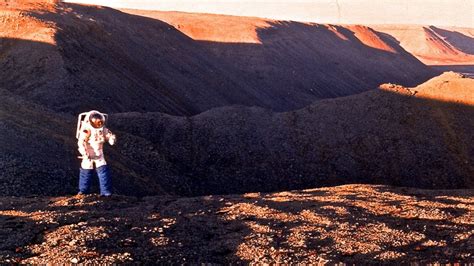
column 213, row 115
column 351, row 224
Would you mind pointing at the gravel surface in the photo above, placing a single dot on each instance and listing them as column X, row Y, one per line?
column 351, row 224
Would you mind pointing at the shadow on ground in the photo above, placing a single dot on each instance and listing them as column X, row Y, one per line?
column 351, row 224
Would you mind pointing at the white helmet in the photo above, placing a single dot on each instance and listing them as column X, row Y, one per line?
column 94, row 118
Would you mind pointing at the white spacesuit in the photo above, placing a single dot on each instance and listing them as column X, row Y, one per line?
column 91, row 135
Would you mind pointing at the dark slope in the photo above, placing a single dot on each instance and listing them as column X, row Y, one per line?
column 417, row 137
column 100, row 58
column 38, row 153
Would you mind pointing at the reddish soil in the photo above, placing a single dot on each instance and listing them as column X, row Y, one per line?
column 430, row 44
column 370, row 38
column 433, row 45
column 351, row 224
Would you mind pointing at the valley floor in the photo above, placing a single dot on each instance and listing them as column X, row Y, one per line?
column 351, row 224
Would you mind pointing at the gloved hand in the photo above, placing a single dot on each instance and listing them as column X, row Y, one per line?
column 85, row 156
column 112, row 140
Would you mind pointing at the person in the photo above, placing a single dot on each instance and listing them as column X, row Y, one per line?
column 91, row 135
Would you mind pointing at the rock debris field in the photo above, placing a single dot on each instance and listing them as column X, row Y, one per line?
column 350, row 223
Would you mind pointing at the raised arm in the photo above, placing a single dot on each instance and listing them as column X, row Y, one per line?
column 109, row 136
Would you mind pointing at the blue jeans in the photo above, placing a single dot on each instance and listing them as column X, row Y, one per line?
column 105, row 181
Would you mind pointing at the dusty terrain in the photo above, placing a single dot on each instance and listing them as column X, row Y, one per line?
column 351, row 224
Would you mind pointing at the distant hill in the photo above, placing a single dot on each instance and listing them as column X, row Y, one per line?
column 439, row 46
column 72, row 58
column 434, row 45
column 366, row 12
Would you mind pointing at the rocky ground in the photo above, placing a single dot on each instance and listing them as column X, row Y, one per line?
column 351, row 224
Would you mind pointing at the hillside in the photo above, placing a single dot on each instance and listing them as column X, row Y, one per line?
column 72, row 58
column 433, row 45
column 366, row 12
column 352, row 224
column 395, row 135
column 419, row 137
column 234, row 75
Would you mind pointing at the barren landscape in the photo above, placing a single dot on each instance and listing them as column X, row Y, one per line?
column 351, row 224
column 240, row 139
